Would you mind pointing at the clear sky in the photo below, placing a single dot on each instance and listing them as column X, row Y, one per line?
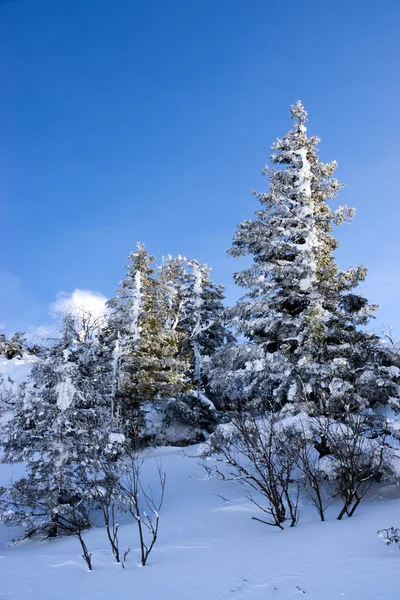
column 150, row 120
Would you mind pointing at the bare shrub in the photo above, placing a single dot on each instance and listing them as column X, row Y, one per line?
column 256, row 452
column 75, row 521
column 312, row 477
column 390, row 535
column 107, row 500
column 118, row 488
column 359, row 456
column 141, row 503
column 68, row 515
column 125, row 557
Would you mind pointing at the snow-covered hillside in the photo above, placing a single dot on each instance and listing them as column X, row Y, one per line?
column 13, row 373
column 210, row 549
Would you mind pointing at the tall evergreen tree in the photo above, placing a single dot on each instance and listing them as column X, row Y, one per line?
column 148, row 363
column 300, row 320
column 198, row 312
column 206, row 332
column 195, row 303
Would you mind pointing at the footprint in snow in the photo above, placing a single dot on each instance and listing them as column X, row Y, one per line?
column 240, row 587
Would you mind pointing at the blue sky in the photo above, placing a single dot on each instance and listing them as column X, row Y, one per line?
column 126, row 120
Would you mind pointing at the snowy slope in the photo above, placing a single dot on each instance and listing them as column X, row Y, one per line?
column 210, row 549
column 13, row 373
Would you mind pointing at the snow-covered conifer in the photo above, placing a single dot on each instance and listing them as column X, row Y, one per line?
column 13, row 346
column 198, row 313
column 204, row 322
column 197, row 306
column 62, row 424
column 142, row 318
column 300, row 320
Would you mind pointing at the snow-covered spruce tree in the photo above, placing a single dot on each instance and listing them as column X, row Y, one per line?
column 196, row 304
column 386, row 371
column 300, row 320
column 61, row 426
column 146, row 357
column 123, row 331
column 204, row 321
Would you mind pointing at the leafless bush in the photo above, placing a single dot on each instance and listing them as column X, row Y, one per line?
column 86, row 555
column 359, row 456
column 125, row 557
column 69, row 515
column 107, row 500
column 312, row 478
column 256, row 452
column 390, row 535
column 74, row 521
column 141, row 503
column 82, row 325
column 118, row 487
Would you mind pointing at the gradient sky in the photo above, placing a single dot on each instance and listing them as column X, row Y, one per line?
column 150, row 120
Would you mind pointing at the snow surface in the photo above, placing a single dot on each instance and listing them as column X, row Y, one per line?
column 13, row 374
column 16, row 370
column 210, row 549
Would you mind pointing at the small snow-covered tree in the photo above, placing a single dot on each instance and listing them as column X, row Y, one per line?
column 301, row 323
column 13, row 346
column 62, row 423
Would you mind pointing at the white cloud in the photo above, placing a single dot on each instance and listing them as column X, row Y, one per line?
column 79, row 301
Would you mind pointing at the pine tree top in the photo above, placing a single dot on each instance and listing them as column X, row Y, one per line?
column 299, row 113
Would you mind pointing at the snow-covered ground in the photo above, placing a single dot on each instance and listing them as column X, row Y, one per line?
column 16, row 370
column 210, row 549
column 13, row 373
